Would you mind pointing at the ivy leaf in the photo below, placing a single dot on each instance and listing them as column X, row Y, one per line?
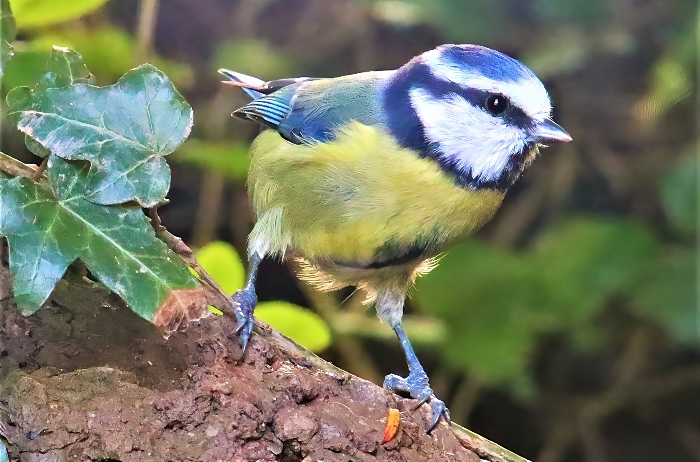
column 8, row 31
column 124, row 130
column 47, row 229
column 37, row 13
column 65, row 68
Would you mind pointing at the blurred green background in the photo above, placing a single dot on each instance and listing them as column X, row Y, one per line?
column 567, row 329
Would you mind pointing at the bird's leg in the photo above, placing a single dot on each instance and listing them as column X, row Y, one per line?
column 416, row 384
column 244, row 300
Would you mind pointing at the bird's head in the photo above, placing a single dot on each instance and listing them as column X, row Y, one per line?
column 479, row 113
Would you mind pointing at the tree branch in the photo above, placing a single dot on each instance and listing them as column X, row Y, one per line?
column 194, row 396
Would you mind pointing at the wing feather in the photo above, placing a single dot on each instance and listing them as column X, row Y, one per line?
column 308, row 111
column 267, row 110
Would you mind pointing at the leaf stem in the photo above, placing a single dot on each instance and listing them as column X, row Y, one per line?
column 40, row 170
column 14, row 167
column 215, row 295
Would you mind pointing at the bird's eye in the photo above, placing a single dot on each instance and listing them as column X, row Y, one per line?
column 497, row 104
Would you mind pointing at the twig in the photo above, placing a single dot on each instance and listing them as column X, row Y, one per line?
column 208, row 211
column 148, row 10
column 215, row 294
column 688, row 433
column 560, row 438
column 14, row 167
column 581, row 417
column 41, row 169
column 465, row 399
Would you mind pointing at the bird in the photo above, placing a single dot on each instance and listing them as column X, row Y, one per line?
column 365, row 180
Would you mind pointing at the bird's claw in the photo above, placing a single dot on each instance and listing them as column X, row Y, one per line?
column 244, row 302
column 418, row 387
column 439, row 410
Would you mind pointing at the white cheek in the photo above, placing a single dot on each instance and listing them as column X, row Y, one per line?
column 467, row 136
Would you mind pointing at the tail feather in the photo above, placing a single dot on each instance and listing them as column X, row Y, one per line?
column 253, row 86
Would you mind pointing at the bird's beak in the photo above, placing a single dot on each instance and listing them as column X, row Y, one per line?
column 548, row 131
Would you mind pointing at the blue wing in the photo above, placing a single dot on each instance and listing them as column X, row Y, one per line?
column 306, row 111
column 270, row 105
column 267, row 110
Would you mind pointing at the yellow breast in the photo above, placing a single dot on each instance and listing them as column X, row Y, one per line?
column 347, row 199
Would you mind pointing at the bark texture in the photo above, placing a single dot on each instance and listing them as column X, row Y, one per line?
column 86, row 379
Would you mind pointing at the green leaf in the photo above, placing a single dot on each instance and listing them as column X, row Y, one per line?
column 305, row 327
column 47, row 229
column 679, row 193
column 673, row 75
column 65, row 67
column 582, row 262
column 36, row 13
column 484, row 295
column 231, row 159
column 91, row 44
column 3, row 453
column 301, row 325
column 254, row 57
column 666, row 292
column 124, row 130
column 220, row 260
column 462, row 21
column 29, row 65
column 26, row 68
column 496, row 303
column 8, row 31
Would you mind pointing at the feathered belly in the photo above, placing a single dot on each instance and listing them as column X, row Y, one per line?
column 359, row 201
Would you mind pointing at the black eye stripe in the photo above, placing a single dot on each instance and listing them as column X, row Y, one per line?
column 421, row 77
column 512, row 114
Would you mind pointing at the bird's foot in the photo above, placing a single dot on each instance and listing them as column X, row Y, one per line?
column 418, row 387
column 244, row 302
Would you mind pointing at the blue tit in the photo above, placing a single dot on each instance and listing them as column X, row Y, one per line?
column 365, row 179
